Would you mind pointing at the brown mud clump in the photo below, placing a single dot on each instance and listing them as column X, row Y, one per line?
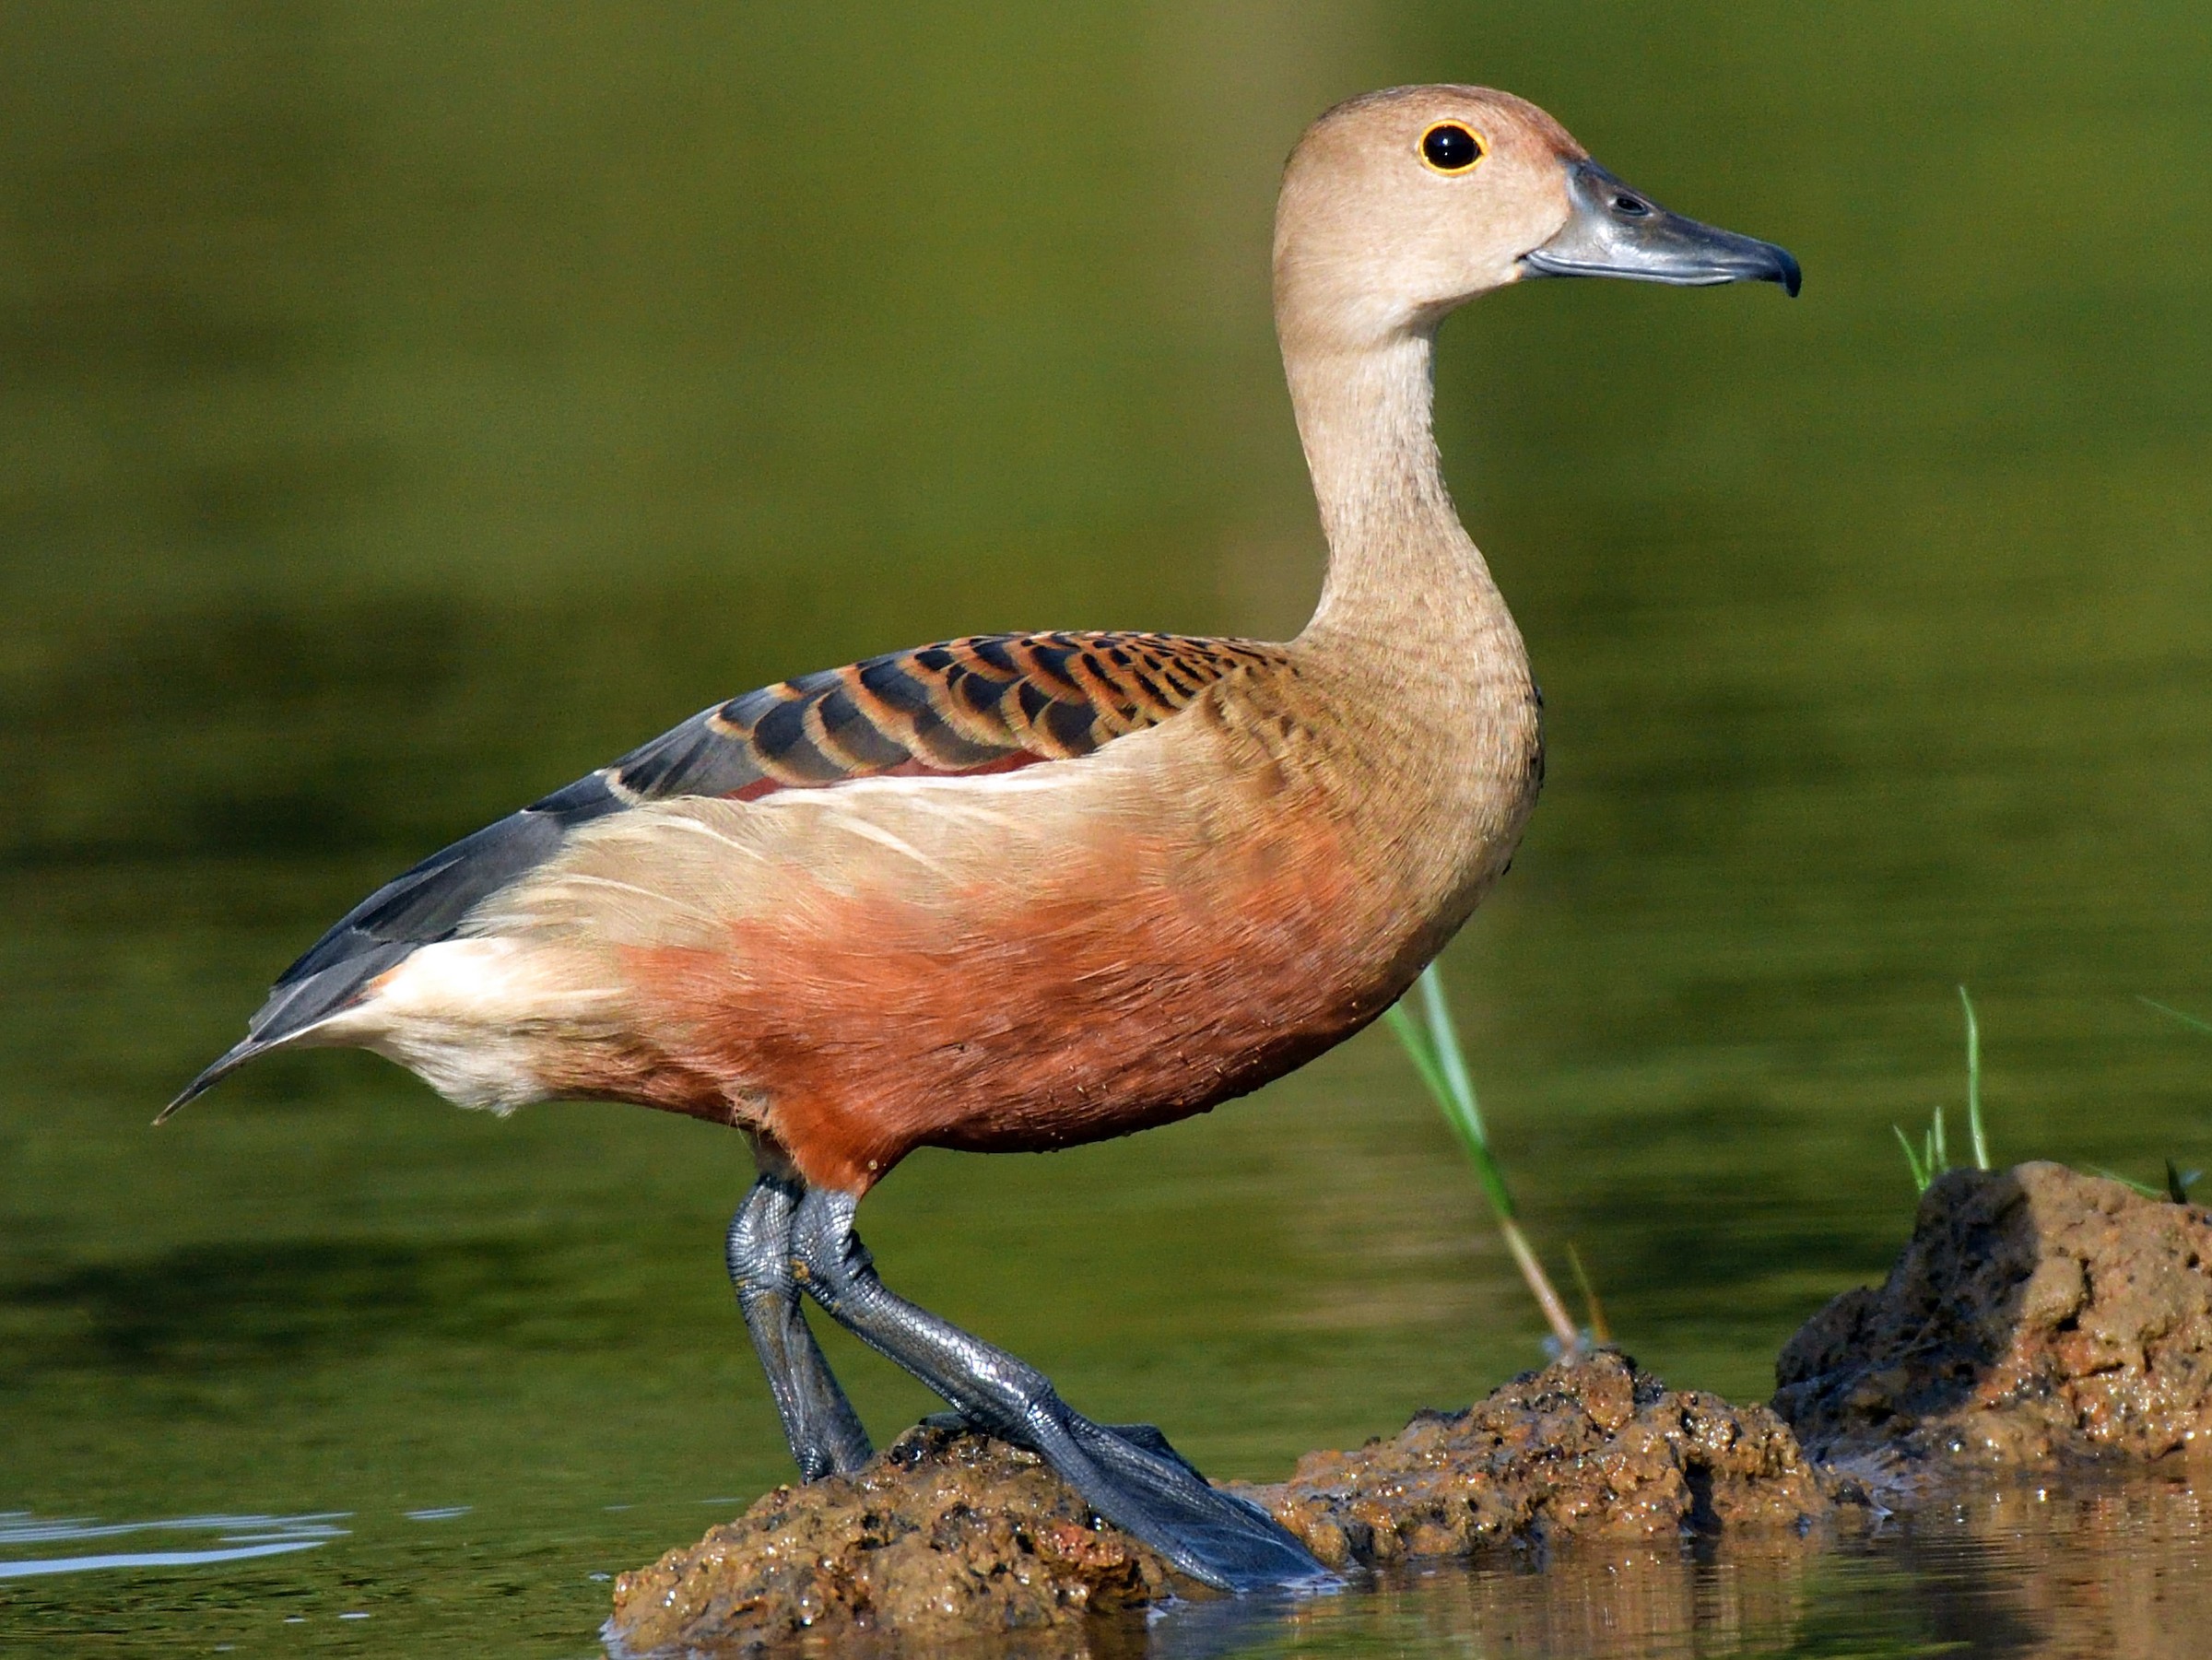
column 1594, row 1449
column 950, row 1534
column 945, row 1534
column 2038, row 1315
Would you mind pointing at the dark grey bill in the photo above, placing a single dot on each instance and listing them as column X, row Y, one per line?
column 1616, row 232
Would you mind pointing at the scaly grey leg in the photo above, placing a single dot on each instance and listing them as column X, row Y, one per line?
column 1147, row 1489
column 824, row 1431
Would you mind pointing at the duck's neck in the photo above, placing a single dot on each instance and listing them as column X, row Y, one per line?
column 1403, row 574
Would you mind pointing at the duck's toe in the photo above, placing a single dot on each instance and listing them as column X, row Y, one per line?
column 1131, row 1475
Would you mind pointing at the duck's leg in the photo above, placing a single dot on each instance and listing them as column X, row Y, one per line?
column 1138, row 1482
column 824, row 1431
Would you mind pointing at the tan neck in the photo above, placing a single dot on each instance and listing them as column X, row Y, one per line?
column 1429, row 679
column 1402, row 570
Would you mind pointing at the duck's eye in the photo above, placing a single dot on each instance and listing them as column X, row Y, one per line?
column 1449, row 147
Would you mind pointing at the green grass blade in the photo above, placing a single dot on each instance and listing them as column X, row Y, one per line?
column 1433, row 1047
column 2145, row 1188
column 1973, row 1082
column 1422, row 1057
column 1453, row 1063
column 1912, row 1163
column 2189, row 1020
column 1436, row 1055
column 1486, row 1169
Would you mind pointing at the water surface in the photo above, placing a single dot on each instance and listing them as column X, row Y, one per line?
column 403, row 411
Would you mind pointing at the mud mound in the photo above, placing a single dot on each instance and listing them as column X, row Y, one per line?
column 2037, row 1314
column 950, row 1534
column 947, row 1534
column 1590, row 1450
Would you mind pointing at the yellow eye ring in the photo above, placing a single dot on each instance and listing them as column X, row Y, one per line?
column 1452, row 147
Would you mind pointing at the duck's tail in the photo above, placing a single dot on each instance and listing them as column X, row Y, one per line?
column 230, row 1060
column 294, row 1009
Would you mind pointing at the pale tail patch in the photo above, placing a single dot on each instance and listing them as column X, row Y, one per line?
column 471, row 1017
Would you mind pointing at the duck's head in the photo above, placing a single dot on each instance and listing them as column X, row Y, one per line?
column 1399, row 205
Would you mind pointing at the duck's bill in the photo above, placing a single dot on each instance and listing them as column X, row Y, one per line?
column 1616, row 232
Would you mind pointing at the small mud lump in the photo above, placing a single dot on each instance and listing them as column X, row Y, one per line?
column 2037, row 1314
column 1589, row 1449
column 947, row 1534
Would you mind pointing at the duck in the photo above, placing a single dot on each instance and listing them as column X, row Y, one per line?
column 1016, row 893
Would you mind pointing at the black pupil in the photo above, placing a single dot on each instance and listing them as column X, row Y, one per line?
column 1451, row 149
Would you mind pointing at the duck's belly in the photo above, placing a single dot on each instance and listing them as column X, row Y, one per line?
column 1072, row 952
column 854, row 1028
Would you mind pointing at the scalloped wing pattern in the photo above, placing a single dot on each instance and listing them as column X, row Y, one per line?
column 982, row 704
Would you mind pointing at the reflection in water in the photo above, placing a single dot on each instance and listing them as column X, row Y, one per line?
column 2079, row 1570
column 2114, row 1567
column 1609, row 1604
column 2013, row 1572
column 1631, row 1600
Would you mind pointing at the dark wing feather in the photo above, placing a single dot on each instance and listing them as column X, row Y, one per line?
column 987, row 703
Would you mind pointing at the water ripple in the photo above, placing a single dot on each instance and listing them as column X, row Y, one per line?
column 236, row 1538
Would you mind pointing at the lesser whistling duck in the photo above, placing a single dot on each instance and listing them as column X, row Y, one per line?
column 1021, row 892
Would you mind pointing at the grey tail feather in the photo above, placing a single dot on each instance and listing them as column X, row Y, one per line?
column 230, row 1060
column 416, row 908
column 254, row 1045
column 296, row 1008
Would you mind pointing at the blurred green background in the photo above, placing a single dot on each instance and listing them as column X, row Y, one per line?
column 404, row 409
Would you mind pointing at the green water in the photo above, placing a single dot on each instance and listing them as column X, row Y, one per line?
column 404, row 409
